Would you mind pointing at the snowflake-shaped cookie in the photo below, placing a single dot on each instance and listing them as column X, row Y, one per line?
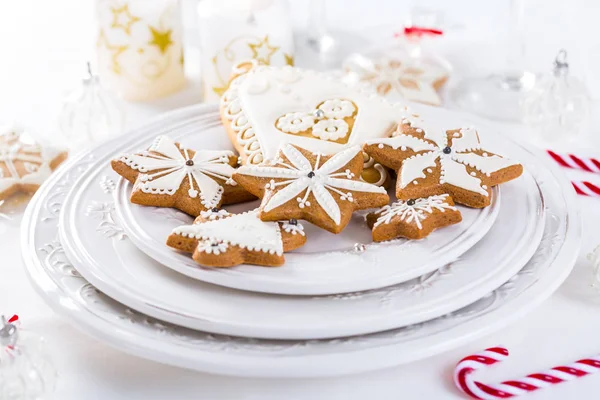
column 431, row 159
column 414, row 218
column 24, row 165
column 238, row 239
column 167, row 175
column 324, row 190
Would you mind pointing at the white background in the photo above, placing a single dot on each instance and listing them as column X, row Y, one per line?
column 43, row 49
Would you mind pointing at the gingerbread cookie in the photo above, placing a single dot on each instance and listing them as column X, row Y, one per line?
column 399, row 78
column 299, row 184
column 167, row 175
column 265, row 107
column 414, row 218
column 431, row 159
column 24, row 164
column 227, row 241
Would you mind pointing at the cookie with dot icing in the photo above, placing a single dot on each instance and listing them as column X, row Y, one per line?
column 24, row 164
column 324, row 190
column 414, row 218
column 431, row 159
column 266, row 106
column 230, row 240
column 168, row 175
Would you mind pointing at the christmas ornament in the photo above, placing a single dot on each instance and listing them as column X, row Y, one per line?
column 90, row 114
column 558, row 106
column 25, row 372
column 139, row 47
column 235, row 30
column 530, row 383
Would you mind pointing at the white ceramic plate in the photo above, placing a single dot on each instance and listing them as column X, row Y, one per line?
column 320, row 267
column 93, row 240
column 54, row 277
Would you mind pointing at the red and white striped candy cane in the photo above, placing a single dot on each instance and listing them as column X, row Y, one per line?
column 477, row 390
column 585, row 188
column 572, row 161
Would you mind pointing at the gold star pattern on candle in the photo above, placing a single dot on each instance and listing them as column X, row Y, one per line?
column 161, row 39
column 262, row 51
column 289, row 59
column 116, row 51
column 122, row 18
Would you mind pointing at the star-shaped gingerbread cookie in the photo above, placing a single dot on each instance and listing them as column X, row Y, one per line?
column 230, row 240
column 168, row 175
column 431, row 159
column 299, row 184
column 24, row 164
column 414, row 218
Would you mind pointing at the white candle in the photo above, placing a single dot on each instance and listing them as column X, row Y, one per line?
column 139, row 47
column 235, row 30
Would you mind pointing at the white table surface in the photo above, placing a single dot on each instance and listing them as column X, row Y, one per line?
column 44, row 45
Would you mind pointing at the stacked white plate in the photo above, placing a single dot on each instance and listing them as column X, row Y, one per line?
column 339, row 305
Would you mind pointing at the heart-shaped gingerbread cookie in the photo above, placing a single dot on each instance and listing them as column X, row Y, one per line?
column 266, row 106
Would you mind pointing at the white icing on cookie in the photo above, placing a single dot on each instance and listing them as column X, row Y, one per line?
column 383, row 173
column 398, row 78
column 293, row 228
column 36, row 160
column 337, row 108
column 244, row 230
column 296, row 122
column 211, row 215
column 330, row 129
column 253, row 116
column 321, row 180
column 437, row 153
column 413, row 211
column 212, row 247
column 164, row 172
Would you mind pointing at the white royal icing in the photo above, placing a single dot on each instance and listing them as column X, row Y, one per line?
column 398, row 78
column 294, row 229
column 171, row 170
column 211, row 215
column 212, row 247
column 253, row 116
column 244, row 230
column 452, row 166
column 415, row 213
column 36, row 160
column 337, row 108
column 296, row 122
column 330, row 129
column 324, row 183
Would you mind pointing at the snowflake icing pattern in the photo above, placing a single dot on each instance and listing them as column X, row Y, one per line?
column 172, row 167
column 450, row 156
column 413, row 211
column 319, row 180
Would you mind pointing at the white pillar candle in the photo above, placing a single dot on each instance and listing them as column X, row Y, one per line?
column 235, row 30
column 139, row 47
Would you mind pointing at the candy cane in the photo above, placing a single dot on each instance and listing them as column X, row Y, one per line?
column 585, row 188
column 477, row 390
column 572, row 161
